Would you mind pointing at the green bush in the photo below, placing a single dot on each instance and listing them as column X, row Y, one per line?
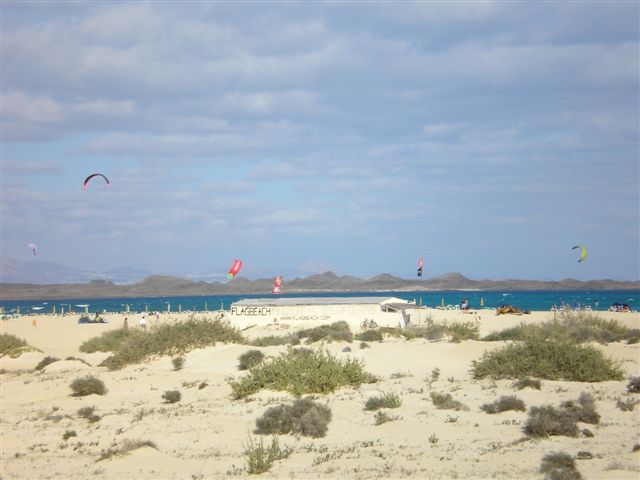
column 171, row 396
column 444, row 401
column 250, row 359
column 108, row 341
column 337, row 331
column 10, row 344
column 584, row 409
column 559, row 466
column 384, row 417
column 46, row 361
column 68, row 434
column 171, row 339
column 305, row 417
column 546, row 421
column 274, row 340
column 301, row 372
column 548, row 359
column 387, row 400
column 458, row 331
column 523, row 383
column 627, row 405
column 87, row 385
column 178, row 363
column 370, row 336
column 577, row 327
column 503, row 404
column 260, row 459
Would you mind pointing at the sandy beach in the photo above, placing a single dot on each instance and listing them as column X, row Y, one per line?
column 205, row 434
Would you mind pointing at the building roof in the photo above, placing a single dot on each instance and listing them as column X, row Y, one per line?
column 308, row 301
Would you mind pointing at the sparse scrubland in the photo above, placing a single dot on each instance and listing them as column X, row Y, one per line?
column 304, row 416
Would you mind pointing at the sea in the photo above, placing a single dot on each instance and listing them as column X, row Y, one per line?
column 524, row 300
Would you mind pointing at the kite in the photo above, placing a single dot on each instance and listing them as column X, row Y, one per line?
column 86, row 180
column 235, row 268
column 32, row 246
column 420, row 265
column 277, row 285
column 583, row 252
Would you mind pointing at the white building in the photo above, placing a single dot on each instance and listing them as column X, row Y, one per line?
column 385, row 311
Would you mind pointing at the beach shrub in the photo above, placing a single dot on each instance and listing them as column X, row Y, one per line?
column 547, row 420
column 583, row 409
column 527, row 382
column 305, row 417
column 503, row 404
column 89, row 414
column 384, row 417
column 370, row 336
column 178, row 363
column 387, row 400
column 627, row 405
column 68, row 434
column 10, row 342
column 574, row 326
column 456, row 331
column 337, row 331
column 126, row 447
column 300, row 372
column 108, row 341
column 547, row 359
column 444, row 401
column 250, row 359
column 634, row 385
column 260, row 458
column 274, row 340
column 87, row 385
column 171, row 396
column 559, row 466
column 364, row 345
column 171, row 339
column 46, row 361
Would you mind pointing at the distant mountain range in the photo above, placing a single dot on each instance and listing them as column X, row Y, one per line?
column 158, row 285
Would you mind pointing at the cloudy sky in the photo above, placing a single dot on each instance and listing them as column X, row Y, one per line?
column 487, row 137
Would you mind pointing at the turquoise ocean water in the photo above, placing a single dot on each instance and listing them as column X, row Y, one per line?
column 534, row 300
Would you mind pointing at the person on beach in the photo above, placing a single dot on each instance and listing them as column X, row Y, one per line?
column 34, row 323
column 143, row 322
column 125, row 325
column 464, row 305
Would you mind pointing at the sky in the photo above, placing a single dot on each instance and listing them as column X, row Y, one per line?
column 488, row 138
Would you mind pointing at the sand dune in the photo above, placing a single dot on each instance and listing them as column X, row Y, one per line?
column 205, row 434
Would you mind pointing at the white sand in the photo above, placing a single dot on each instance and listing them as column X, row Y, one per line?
column 204, row 435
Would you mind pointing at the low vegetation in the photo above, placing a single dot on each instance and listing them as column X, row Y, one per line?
column 547, row 359
column 384, row 417
column 527, row 382
column 444, row 401
column 634, row 385
column 260, row 458
column 46, row 361
column 304, row 417
column 171, row 396
column 87, row 385
column 300, row 372
column 559, row 466
column 455, row 331
column 250, row 359
column 547, row 420
column 571, row 326
column 274, row 340
column 178, row 363
column 166, row 339
column 10, row 342
column 387, row 400
column 370, row 336
column 337, row 331
column 89, row 414
column 126, row 447
column 503, row 404
column 108, row 341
